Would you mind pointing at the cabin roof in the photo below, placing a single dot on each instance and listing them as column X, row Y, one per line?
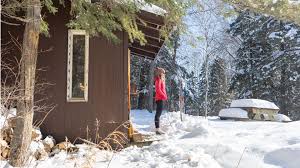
column 153, row 16
column 151, row 31
column 253, row 103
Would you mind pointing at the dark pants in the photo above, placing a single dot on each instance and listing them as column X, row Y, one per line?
column 159, row 108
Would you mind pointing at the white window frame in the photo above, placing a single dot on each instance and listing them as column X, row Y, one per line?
column 71, row 33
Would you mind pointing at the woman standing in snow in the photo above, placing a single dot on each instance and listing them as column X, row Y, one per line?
column 160, row 96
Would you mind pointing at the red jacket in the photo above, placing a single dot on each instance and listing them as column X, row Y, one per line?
column 160, row 90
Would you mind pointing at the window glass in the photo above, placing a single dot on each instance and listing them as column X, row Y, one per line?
column 78, row 68
column 77, row 77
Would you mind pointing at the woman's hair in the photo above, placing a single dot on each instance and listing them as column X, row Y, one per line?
column 158, row 71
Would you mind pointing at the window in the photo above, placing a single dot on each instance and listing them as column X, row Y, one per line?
column 78, row 61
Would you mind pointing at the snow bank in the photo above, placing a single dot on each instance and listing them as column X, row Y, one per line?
column 282, row 118
column 193, row 126
column 142, row 120
column 233, row 113
column 166, row 155
column 258, row 103
column 171, row 123
column 226, row 144
column 193, row 142
column 284, row 157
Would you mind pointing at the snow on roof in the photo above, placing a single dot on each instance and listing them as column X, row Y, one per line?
column 233, row 113
column 258, row 103
column 142, row 5
column 150, row 7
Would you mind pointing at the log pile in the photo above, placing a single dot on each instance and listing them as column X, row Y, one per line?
column 39, row 148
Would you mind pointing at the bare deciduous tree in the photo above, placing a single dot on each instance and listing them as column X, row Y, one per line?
column 11, row 89
column 26, row 77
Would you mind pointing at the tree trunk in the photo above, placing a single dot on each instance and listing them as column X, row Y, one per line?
column 22, row 133
column 150, row 86
column 206, row 85
column 173, row 95
column 181, row 100
column 138, row 84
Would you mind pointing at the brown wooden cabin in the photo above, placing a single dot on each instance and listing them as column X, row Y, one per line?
column 89, row 76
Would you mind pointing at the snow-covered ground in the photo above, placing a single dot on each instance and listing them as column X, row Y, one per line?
column 195, row 142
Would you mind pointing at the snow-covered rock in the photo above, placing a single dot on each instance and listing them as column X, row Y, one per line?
column 48, row 143
column 258, row 103
column 36, row 134
column 282, row 118
column 4, row 149
column 37, row 150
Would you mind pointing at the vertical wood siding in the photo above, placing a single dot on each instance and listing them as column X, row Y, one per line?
column 108, row 94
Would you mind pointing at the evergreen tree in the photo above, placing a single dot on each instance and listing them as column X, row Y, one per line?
column 273, row 8
column 253, row 53
column 190, row 94
column 173, row 68
column 196, row 86
column 218, row 96
column 267, row 63
column 139, row 68
column 286, row 64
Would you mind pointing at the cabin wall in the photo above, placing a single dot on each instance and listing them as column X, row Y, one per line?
column 107, row 94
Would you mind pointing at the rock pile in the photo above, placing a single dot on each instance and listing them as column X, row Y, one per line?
column 39, row 148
